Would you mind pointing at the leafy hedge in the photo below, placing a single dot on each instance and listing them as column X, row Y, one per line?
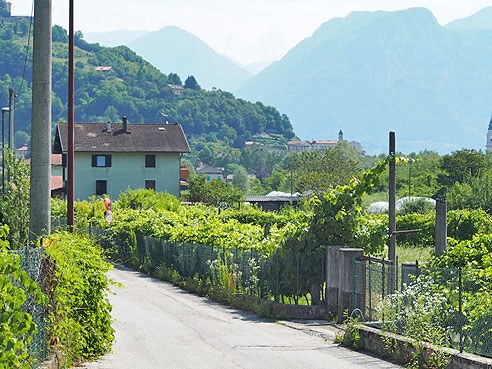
column 16, row 326
column 81, row 321
column 462, row 225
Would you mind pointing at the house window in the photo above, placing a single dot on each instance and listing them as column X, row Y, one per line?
column 101, row 188
column 149, row 161
column 150, row 184
column 101, row 161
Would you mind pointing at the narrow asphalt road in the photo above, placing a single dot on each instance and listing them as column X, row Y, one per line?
column 160, row 326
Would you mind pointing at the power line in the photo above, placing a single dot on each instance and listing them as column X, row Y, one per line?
column 27, row 49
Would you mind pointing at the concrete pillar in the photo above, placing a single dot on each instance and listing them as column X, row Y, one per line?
column 40, row 203
column 408, row 272
column 441, row 243
column 332, row 278
column 347, row 300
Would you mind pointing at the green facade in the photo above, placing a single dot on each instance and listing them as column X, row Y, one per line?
column 127, row 170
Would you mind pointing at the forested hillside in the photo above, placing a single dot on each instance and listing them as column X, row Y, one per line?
column 132, row 87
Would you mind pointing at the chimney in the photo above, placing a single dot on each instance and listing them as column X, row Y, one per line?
column 108, row 127
column 124, row 120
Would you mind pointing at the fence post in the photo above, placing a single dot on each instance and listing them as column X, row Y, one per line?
column 370, row 289
column 332, row 278
column 441, row 227
column 346, row 282
column 277, row 297
column 297, row 278
column 460, row 306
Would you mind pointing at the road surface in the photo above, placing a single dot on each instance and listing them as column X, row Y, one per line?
column 160, row 326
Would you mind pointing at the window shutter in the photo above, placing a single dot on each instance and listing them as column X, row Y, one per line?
column 108, row 160
column 94, row 160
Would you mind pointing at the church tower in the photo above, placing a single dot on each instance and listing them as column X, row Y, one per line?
column 340, row 135
column 489, row 137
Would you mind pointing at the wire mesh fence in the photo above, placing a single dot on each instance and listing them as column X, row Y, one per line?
column 448, row 306
column 39, row 269
column 276, row 276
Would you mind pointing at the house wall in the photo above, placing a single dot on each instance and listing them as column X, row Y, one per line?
column 127, row 170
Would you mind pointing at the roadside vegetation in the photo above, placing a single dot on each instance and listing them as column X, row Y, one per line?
column 53, row 292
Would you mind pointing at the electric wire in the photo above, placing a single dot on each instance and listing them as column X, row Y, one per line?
column 27, row 49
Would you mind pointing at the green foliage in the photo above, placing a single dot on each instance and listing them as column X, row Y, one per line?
column 191, row 83
column 476, row 193
column 21, row 138
column 320, row 171
column 216, row 192
column 461, row 165
column 147, row 198
column 81, row 321
column 14, row 205
column 133, row 88
column 420, row 206
column 174, row 79
column 426, row 222
column 419, row 312
column 240, row 179
column 16, row 326
column 462, row 225
column 59, row 34
column 338, row 216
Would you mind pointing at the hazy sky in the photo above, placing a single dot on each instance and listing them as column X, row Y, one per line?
column 247, row 30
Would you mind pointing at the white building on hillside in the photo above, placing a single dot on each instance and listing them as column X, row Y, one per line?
column 319, row 145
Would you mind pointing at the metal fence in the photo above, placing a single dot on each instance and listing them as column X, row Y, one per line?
column 37, row 267
column 280, row 277
column 448, row 306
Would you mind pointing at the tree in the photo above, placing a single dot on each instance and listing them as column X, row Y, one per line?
column 240, row 179
column 460, row 166
column 8, row 34
column 191, row 83
column 217, row 192
column 207, row 154
column 21, row 138
column 59, row 34
column 174, row 79
column 321, row 171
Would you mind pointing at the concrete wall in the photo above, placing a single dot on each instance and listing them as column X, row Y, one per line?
column 127, row 170
column 402, row 348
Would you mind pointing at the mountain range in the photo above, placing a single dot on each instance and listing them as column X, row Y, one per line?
column 366, row 74
column 172, row 49
column 373, row 72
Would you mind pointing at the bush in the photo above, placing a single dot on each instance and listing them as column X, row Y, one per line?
column 147, row 198
column 16, row 326
column 81, row 322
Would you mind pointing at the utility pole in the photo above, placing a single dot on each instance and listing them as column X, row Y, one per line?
column 40, row 206
column 392, row 199
column 71, row 123
column 11, row 119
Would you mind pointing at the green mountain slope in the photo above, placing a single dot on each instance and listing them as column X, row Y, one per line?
column 172, row 49
column 132, row 87
column 370, row 73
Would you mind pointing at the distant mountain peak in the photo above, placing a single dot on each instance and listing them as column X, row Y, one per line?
column 173, row 49
column 480, row 20
column 372, row 72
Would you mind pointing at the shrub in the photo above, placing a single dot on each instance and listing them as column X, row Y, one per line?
column 81, row 322
column 146, row 198
column 16, row 326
